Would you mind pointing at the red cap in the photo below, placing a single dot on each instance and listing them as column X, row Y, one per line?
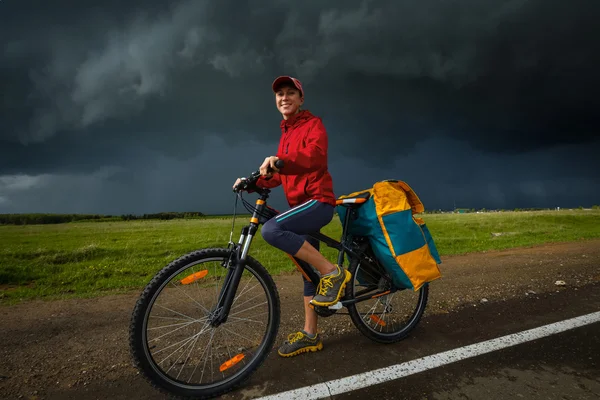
column 288, row 79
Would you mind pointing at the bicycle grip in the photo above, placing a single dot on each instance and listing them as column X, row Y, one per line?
column 279, row 164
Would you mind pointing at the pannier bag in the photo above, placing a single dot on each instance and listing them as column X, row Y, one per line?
column 401, row 242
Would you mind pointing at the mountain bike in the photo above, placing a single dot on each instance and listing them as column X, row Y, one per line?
column 208, row 320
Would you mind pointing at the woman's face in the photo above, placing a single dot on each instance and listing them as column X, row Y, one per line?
column 288, row 101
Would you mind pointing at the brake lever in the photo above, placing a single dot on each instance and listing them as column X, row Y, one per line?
column 246, row 182
column 240, row 186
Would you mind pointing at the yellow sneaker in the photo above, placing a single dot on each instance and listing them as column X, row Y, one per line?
column 331, row 287
column 298, row 343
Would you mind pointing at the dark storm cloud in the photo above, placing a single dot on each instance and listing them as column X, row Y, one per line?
column 437, row 170
column 505, row 76
column 154, row 183
column 123, row 100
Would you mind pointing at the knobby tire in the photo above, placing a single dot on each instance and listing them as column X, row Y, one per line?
column 379, row 337
column 140, row 313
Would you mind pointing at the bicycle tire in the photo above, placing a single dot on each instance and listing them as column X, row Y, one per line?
column 380, row 337
column 138, row 346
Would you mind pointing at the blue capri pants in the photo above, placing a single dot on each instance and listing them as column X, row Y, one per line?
column 288, row 231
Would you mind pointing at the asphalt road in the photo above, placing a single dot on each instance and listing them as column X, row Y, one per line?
column 561, row 366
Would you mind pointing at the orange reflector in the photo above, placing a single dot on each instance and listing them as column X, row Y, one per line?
column 194, row 277
column 378, row 320
column 231, row 362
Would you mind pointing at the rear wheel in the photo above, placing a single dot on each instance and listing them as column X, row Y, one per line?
column 172, row 340
column 387, row 318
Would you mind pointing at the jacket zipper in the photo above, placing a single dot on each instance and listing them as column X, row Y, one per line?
column 287, row 143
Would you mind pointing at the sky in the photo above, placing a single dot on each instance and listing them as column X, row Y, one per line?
column 114, row 107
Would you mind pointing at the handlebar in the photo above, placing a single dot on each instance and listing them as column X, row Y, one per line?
column 247, row 183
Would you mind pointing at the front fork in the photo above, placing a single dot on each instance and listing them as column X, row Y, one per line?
column 235, row 266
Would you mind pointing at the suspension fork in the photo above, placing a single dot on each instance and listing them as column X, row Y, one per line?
column 234, row 273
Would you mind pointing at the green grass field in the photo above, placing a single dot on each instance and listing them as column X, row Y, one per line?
column 94, row 258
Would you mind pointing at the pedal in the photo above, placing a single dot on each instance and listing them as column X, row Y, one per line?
column 336, row 306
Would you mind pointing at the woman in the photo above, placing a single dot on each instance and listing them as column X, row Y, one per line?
column 308, row 188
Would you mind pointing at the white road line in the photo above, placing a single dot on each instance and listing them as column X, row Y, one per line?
column 360, row 381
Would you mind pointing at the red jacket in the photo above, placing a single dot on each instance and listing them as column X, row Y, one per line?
column 303, row 148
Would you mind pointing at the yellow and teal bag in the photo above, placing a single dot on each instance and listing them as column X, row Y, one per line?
column 401, row 242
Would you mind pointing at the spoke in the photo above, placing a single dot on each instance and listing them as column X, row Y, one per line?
column 160, row 317
column 180, row 290
column 241, row 304
column 188, row 356
column 202, row 331
column 389, row 299
column 228, row 353
column 172, row 365
column 178, row 358
column 237, row 334
column 238, row 319
column 186, row 341
column 194, row 371
column 175, row 312
column 206, row 359
column 244, row 291
column 216, row 294
column 372, row 311
column 197, row 284
column 187, row 323
column 382, row 315
column 254, row 306
column 381, row 318
column 168, row 333
column 212, row 372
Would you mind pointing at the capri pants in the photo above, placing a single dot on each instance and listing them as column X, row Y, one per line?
column 288, row 231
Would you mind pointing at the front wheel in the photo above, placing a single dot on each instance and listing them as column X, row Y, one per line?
column 386, row 318
column 173, row 341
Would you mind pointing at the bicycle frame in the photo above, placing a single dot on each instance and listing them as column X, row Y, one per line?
column 239, row 252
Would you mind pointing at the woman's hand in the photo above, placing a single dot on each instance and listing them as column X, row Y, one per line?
column 268, row 163
column 237, row 182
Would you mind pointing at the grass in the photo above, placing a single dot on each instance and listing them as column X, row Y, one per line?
column 84, row 259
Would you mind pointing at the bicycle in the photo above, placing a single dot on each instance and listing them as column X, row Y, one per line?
column 182, row 279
